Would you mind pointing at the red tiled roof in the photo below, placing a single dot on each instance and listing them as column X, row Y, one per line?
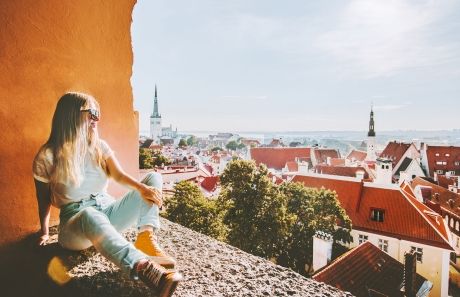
column 209, row 183
column 366, row 268
column 405, row 217
column 448, row 154
column 292, row 166
column 337, row 162
column 445, row 181
column 321, row 154
column 208, row 168
column 441, row 195
column 174, row 176
column 274, row 157
column 215, row 159
column 276, row 179
column 394, row 151
column 357, row 155
column 340, row 170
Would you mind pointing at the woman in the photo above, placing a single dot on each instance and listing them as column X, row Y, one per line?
column 71, row 172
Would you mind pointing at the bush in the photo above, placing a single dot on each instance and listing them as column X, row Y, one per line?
column 191, row 209
column 145, row 158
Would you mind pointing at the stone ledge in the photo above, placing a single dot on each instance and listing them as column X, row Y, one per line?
column 210, row 267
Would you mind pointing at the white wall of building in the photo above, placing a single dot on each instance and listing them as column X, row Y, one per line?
column 413, row 169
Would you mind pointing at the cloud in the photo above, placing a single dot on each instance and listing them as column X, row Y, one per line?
column 390, row 107
column 380, row 38
column 244, row 97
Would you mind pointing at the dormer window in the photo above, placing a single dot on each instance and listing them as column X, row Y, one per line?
column 437, row 154
column 377, row 215
column 447, row 155
column 457, row 163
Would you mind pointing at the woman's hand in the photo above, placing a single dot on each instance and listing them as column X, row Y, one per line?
column 151, row 194
column 43, row 240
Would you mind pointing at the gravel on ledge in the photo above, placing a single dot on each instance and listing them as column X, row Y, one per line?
column 210, row 268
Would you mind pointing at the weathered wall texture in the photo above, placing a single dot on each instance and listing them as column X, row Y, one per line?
column 46, row 49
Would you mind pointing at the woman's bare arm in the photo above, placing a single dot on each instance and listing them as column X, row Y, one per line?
column 43, row 194
column 148, row 193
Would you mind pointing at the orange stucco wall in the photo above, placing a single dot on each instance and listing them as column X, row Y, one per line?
column 47, row 48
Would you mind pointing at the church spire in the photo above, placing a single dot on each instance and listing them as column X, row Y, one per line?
column 155, row 113
column 371, row 123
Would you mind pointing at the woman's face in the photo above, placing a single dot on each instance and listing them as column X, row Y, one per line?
column 91, row 119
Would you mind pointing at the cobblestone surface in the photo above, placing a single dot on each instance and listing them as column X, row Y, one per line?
column 210, row 268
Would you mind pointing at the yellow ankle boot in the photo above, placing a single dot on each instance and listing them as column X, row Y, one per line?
column 147, row 242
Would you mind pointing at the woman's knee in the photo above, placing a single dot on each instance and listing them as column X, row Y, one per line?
column 153, row 179
column 92, row 217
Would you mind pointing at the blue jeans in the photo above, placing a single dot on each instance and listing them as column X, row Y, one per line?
column 99, row 220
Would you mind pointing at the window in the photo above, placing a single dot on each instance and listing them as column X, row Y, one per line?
column 362, row 238
column 457, row 163
column 418, row 253
column 439, row 171
column 437, row 154
column 383, row 245
column 377, row 215
column 447, row 155
column 441, row 163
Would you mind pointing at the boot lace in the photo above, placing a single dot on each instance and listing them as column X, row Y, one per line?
column 153, row 273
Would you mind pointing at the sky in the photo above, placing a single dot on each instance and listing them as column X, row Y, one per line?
column 297, row 65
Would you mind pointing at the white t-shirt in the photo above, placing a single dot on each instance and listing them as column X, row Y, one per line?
column 95, row 180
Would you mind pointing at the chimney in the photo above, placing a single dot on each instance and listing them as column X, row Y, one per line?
column 360, row 174
column 322, row 249
column 328, row 161
column 410, row 267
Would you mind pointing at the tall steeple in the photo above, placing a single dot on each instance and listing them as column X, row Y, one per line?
column 371, row 124
column 155, row 120
column 371, row 156
column 155, row 113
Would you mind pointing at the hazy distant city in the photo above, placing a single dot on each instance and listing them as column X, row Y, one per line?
column 344, row 141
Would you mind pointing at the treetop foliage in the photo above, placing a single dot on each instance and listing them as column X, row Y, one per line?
column 260, row 217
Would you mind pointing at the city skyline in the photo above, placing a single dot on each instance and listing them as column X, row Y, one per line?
column 303, row 67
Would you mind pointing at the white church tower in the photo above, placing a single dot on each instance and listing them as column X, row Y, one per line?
column 155, row 121
column 371, row 156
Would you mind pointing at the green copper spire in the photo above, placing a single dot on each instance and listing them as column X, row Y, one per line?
column 155, row 113
column 371, row 124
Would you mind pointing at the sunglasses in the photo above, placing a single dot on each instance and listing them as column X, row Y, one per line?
column 93, row 113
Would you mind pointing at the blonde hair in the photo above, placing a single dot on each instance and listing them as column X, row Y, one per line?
column 71, row 139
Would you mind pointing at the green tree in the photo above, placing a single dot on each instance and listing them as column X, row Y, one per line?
column 191, row 209
column 256, row 212
column 182, row 143
column 192, row 140
column 232, row 145
column 313, row 210
column 145, row 158
column 216, row 149
column 159, row 159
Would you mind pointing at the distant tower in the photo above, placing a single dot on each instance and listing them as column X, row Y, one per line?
column 371, row 139
column 155, row 120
